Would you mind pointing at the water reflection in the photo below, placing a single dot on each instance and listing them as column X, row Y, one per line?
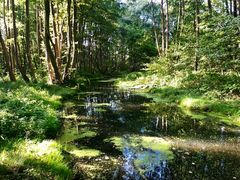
column 199, row 149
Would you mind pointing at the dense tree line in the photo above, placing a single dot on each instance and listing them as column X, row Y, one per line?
column 56, row 39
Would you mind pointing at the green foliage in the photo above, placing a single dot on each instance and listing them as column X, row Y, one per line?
column 27, row 111
column 32, row 159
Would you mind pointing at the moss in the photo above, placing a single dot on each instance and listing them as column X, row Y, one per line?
column 81, row 151
column 147, row 142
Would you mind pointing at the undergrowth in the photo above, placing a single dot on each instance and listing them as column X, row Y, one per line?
column 28, row 120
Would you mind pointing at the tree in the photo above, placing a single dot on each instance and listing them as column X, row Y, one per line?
column 49, row 51
column 27, row 36
column 17, row 59
column 163, row 26
column 7, row 59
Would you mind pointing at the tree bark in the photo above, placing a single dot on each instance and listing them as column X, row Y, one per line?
column 27, row 36
column 21, row 69
column 163, row 27
column 155, row 29
column 197, row 22
column 48, row 45
column 69, row 39
column 7, row 58
column 227, row 6
column 167, row 26
column 239, row 7
column 210, row 7
column 235, row 8
column 38, row 33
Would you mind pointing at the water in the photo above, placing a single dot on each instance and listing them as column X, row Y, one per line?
column 121, row 135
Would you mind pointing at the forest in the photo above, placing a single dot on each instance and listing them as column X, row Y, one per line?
column 119, row 89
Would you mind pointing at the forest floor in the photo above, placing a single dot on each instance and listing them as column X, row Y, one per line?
column 198, row 95
column 29, row 124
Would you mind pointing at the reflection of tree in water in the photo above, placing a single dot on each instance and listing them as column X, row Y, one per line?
column 170, row 120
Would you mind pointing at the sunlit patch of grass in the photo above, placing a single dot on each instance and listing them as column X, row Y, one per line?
column 195, row 104
column 225, row 111
column 37, row 159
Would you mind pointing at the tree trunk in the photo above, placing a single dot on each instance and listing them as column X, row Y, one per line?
column 38, row 33
column 163, row 27
column 239, row 7
column 155, row 29
column 227, row 6
column 48, row 45
column 27, row 34
column 21, row 69
column 7, row 59
column 210, row 7
column 197, row 22
column 167, row 26
column 231, row 5
column 69, row 39
column 235, row 8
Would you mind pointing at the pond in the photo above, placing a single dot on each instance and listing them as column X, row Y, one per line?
column 114, row 134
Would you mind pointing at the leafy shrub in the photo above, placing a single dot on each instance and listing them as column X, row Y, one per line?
column 27, row 112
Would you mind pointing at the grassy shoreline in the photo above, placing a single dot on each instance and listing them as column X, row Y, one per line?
column 198, row 95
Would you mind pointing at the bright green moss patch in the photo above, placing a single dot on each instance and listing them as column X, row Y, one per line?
column 147, row 142
column 82, row 151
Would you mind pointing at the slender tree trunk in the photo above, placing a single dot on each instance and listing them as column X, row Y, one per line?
column 167, row 27
column 197, row 22
column 231, row 7
column 21, row 69
column 210, row 7
column 48, row 45
column 4, row 18
column 227, row 6
column 27, row 35
column 239, row 7
column 56, row 34
column 7, row 58
column 38, row 33
column 69, row 39
column 163, row 27
column 155, row 29
column 235, row 13
column 183, row 17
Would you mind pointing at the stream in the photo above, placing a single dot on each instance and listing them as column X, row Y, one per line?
column 114, row 134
